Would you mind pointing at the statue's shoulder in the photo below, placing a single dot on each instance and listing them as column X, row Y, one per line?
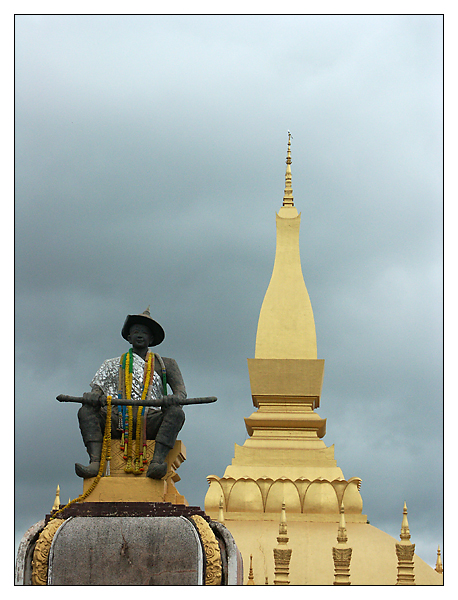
column 110, row 364
column 168, row 361
column 112, row 361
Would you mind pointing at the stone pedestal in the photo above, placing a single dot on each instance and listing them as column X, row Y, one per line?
column 128, row 543
column 127, row 487
column 126, row 551
column 129, row 530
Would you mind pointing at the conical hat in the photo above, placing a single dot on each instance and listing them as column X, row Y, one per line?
column 145, row 319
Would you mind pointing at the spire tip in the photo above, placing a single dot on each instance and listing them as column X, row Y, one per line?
column 288, row 199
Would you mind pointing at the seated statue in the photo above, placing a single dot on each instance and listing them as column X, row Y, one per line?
column 139, row 374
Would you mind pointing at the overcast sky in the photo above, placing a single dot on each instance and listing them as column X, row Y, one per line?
column 150, row 163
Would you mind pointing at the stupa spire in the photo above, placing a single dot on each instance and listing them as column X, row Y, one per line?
column 282, row 553
column 250, row 574
column 405, row 531
column 56, row 504
column 439, row 567
column 342, row 531
column 286, row 327
column 288, row 199
column 405, row 552
column 341, row 553
column 221, row 510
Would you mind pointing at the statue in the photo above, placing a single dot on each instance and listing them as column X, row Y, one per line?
column 140, row 376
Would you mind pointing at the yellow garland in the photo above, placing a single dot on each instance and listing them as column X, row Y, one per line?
column 137, row 441
column 128, row 451
column 133, row 464
column 138, row 444
column 107, row 436
column 105, row 452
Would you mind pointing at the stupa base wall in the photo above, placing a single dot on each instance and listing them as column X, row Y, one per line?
column 373, row 560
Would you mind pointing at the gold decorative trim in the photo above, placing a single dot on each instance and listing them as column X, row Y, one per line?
column 341, row 487
column 41, row 552
column 212, row 553
column 405, row 552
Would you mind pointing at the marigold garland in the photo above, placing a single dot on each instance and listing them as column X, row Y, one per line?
column 134, row 464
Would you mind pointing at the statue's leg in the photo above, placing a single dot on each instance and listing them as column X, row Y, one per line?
column 163, row 426
column 91, row 422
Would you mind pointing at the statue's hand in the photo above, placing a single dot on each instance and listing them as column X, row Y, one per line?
column 171, row 400
column 93, row 398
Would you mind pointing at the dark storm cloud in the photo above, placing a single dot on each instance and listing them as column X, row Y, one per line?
column 149, row 165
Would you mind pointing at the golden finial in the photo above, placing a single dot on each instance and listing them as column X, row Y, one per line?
column 341, row 554
column 288, row 199
column 405, row 552
column 250, row 575
column 439, row 567
column 56, row 504
column 405, row 532
column 282, row 554
column 342, row 537
column 282, row 528
column 221, row 510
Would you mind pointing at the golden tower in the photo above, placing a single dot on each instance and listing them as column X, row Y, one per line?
column 284, row 459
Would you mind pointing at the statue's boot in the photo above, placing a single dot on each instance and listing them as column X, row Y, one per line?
column 158, row 467
column 94, row 450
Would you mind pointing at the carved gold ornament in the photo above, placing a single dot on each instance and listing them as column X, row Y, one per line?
column 41, row 552
column 405, row 552
column 212, row 552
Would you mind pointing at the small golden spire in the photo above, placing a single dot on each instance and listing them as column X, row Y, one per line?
column 250, row 575
column 221, row 510
column 405, row 531
column 439, row 567
column 405, row 552
column 282, row 554
column 341, row 554
column 56, row 504
column 288, row 199
column 342, row 531
column 283, row 528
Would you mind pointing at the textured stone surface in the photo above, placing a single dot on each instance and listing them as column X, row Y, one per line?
column 23, row 574
column 231, row 557
column 126, row 551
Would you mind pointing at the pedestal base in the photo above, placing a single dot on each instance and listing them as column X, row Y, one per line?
column 120, row 486
column 123, row 489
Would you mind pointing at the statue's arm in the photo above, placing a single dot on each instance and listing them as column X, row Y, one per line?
column 175, row 378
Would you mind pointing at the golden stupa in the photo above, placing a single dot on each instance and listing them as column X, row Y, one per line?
column 285, row 464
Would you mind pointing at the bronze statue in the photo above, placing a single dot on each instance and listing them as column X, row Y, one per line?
column 139, row 376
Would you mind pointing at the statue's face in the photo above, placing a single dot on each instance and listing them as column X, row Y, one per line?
column 140, row 336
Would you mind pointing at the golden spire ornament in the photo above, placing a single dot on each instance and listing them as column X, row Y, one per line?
column 341, row 554
column 250, row 574
column 288, row 199
column 405, row 552
column 439, row 568
column 282, row 554
column 56, row 504
column 221, row 510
